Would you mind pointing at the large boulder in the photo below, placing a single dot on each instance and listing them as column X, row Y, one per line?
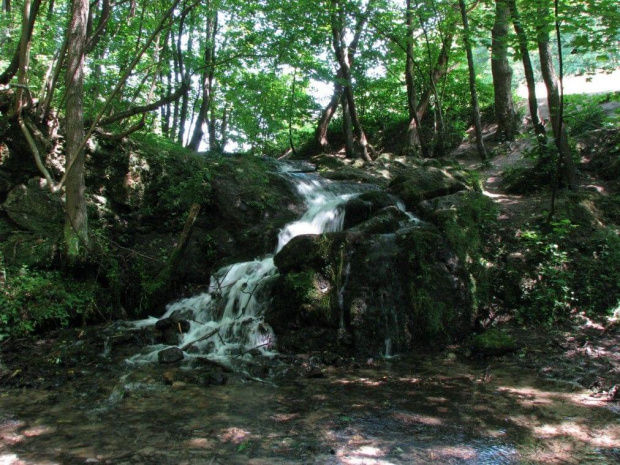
column 32, row 207
column 361, row 208
column 422, row 183
column 370, row 294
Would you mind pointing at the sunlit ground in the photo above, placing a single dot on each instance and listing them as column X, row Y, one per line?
column 399, row 412
column 600, row 82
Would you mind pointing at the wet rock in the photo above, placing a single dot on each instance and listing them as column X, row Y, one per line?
column 387, row 220
column 173, row 322
column 311, row 251
column 363, row 207
column 170, row 355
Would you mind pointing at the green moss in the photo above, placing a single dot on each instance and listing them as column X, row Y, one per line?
column 494, row 342
column 312, row 295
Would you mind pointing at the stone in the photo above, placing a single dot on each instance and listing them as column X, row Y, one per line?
column 32, row 207
column 423, row 183
column 170, row 355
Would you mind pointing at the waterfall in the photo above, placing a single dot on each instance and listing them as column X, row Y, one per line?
column 227, row 320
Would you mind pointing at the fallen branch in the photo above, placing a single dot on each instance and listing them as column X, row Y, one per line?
column 206, row 336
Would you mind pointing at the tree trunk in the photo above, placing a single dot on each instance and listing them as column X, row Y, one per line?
column 414, row 139
column 472, row 83
column 330, row 110
column 553, row 100
column 362, row 149
column 185, row 73
column 505, row 113
column 346, row 128
column 26, row 35
column 207, row 82
column 76, row 225
column 328, row 113
column 539, row 129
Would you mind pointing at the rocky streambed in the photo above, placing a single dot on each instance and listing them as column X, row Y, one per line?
column 73, row 398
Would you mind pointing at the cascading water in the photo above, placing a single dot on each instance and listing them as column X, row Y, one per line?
column 228, row 319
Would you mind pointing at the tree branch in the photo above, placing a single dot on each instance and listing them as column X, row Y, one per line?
column 145, row 108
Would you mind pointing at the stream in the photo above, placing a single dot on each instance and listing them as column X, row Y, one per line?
column 98, row 395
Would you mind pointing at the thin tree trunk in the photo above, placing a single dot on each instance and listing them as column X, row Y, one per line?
column 328, row 113
column 76, row 225
column 505, row 113
column 185, row 73
column 224, row 128
column 330, row 110
column 212, row 126
column 472, row 84
column 24, row 59
column 362, row 149
column 349, row 144
column 553, row 100
column 414, row 139
column 208, row 75
column 26, row 35
column 539, row 128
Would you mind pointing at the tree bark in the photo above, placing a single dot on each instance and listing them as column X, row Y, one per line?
column 26, row 35
column 207, row 84
column 330, row 110
column 472, row 83
column 362, row 149
column 505, row 113
column 327, row 115
column 76, row 224
column 553, row 100
column 528, row 70
column 414, row 139
column 349, row 144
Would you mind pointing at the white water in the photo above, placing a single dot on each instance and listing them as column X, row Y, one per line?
column 228, row 319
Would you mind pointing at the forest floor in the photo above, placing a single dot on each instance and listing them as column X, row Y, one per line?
column 582, row 351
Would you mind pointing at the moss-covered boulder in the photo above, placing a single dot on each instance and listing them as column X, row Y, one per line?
column 370, row 292
column 310, row 251
column 30, row 250
column 364, row 206
column 32, row 207
column 422, row 183
column 385, row 221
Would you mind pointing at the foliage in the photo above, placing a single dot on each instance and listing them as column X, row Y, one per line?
column 176, row 177
column 493, row 342
column 584, row 113
column 32, row 301
column 547, row 296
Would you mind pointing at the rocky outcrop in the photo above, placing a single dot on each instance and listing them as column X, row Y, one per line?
column 423, row 183
column 34, row 209
column 386, row 284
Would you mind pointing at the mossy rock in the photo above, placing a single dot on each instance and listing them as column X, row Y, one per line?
column 32, row 207
column 304, row 298
column 418, row 184
column 440, row 291
column 311, row 251
column 493, row 342
column 385, row 221
column 363, row 207
column 32, row 251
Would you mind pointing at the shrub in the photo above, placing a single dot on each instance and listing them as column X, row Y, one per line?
column 33, row 300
